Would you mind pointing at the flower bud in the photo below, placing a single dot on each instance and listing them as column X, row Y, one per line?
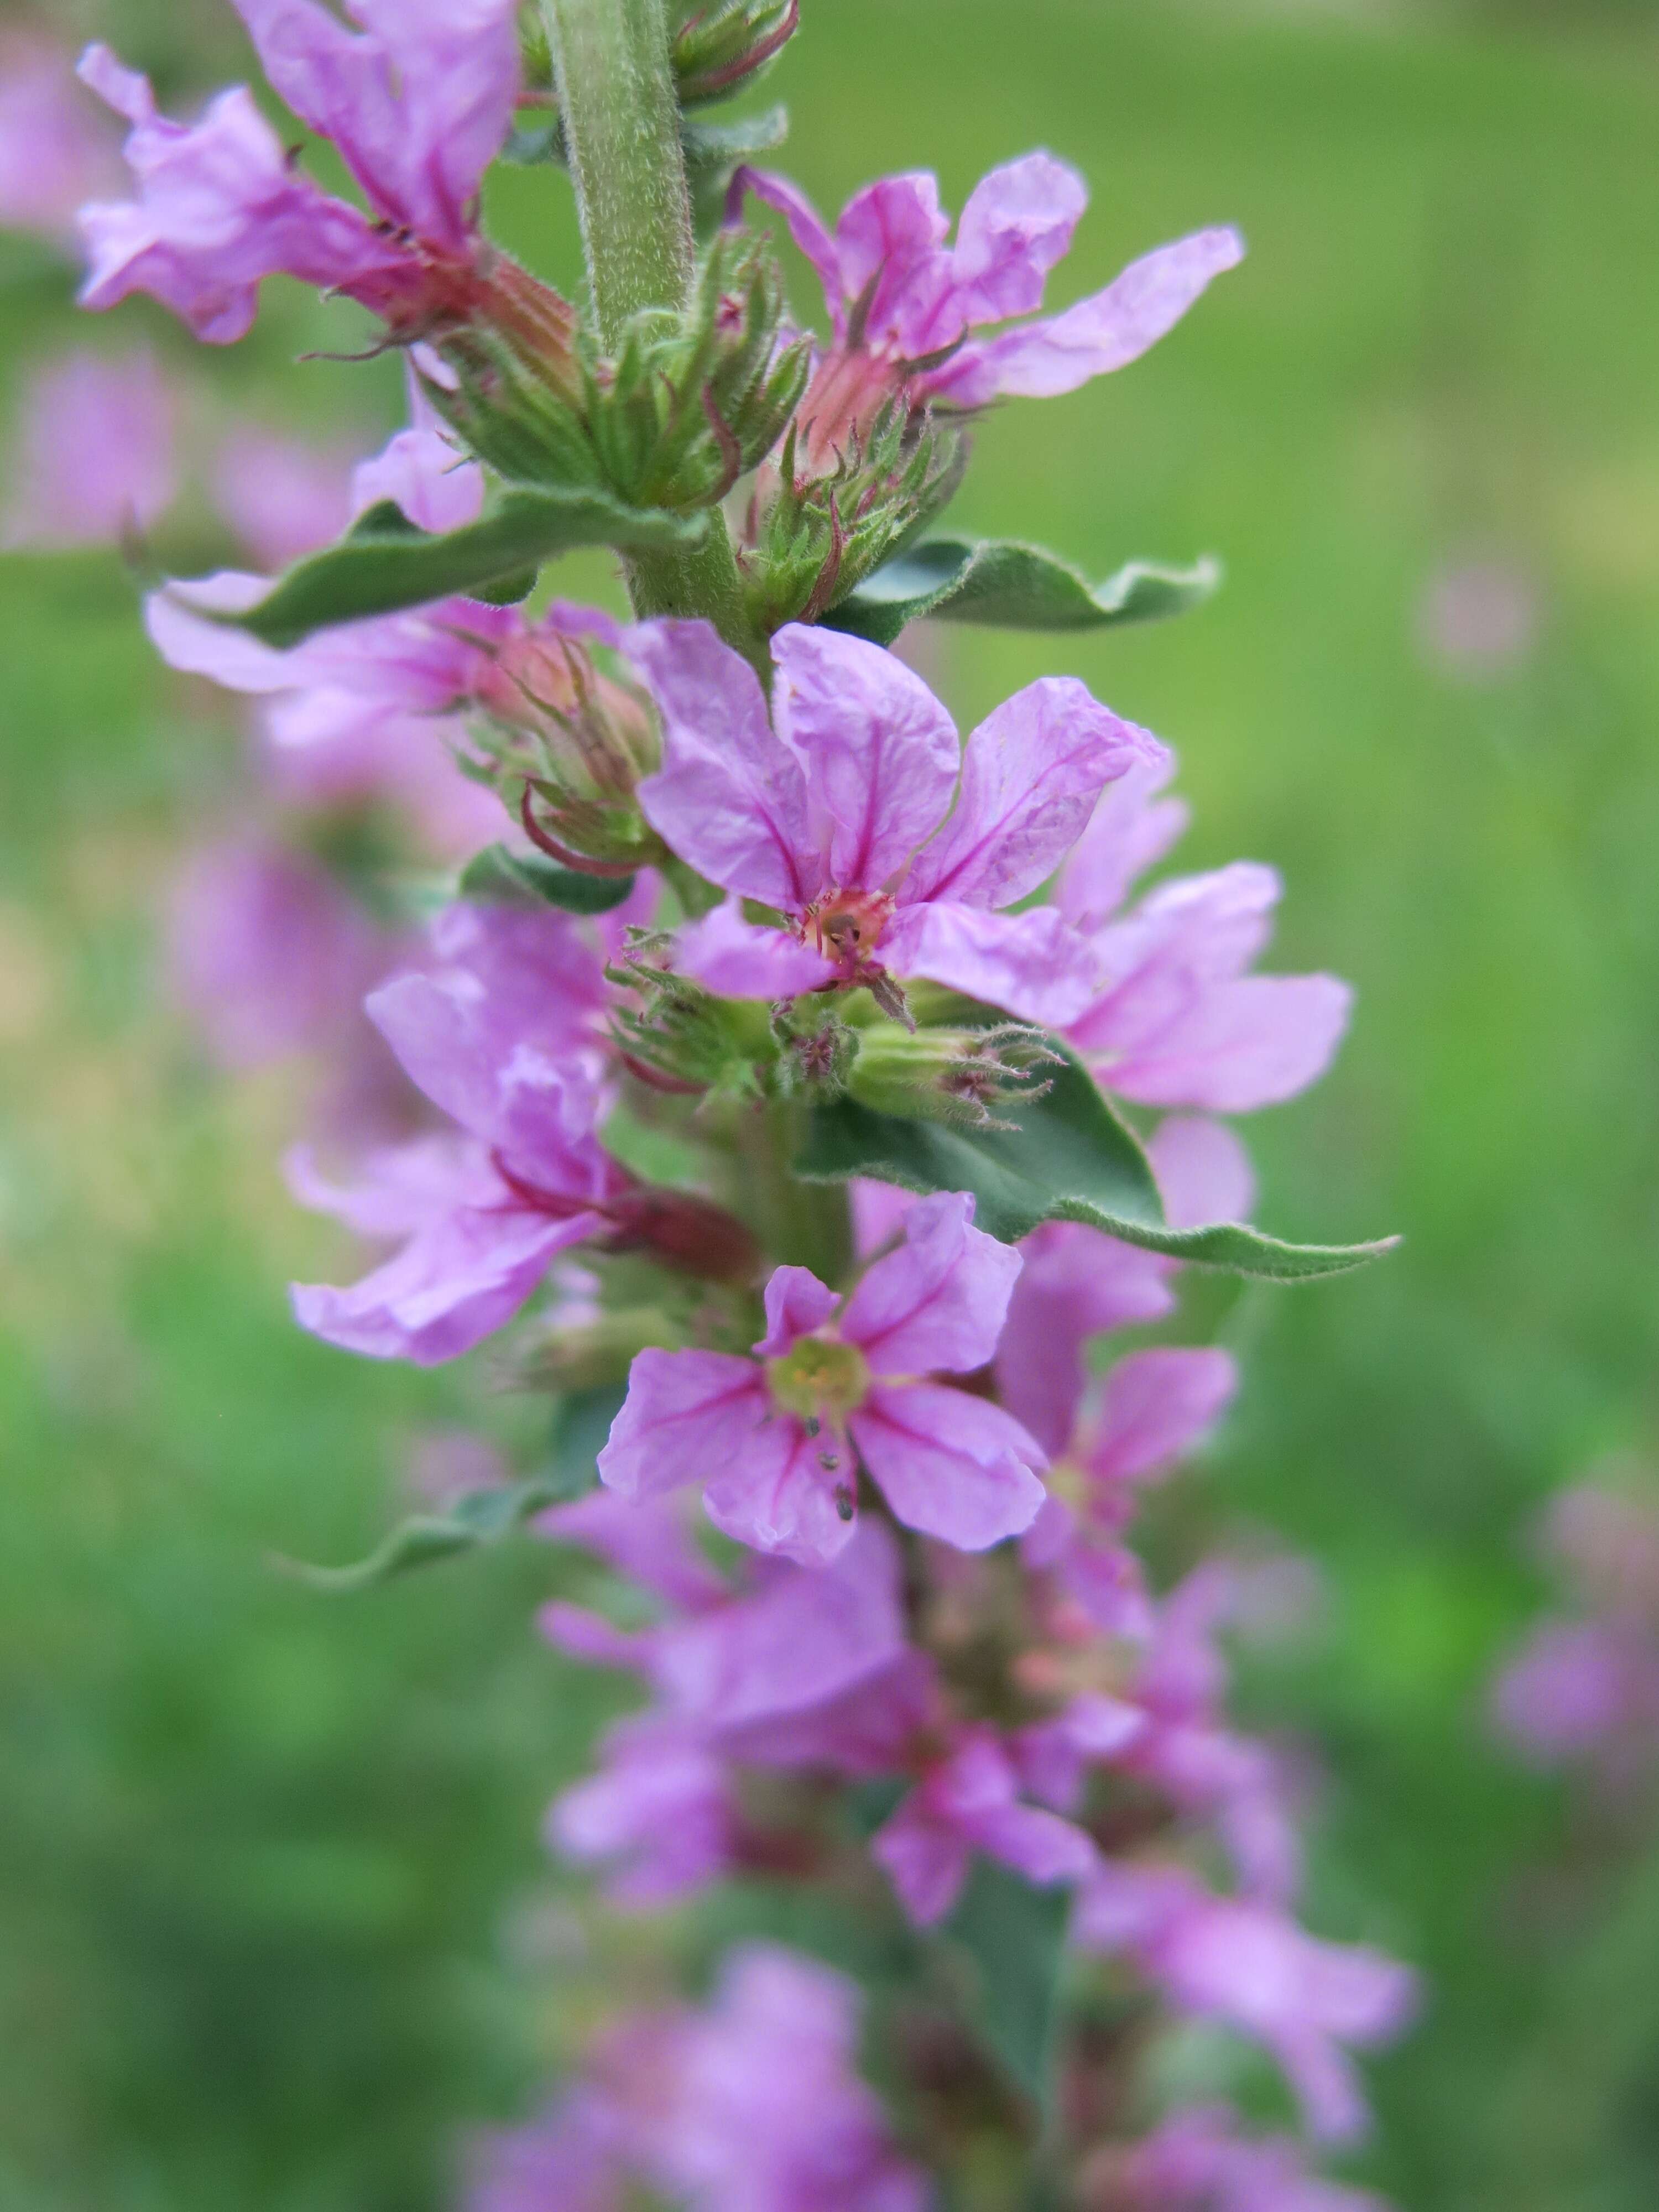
column 723, row 45
column 679, row 1037
column 955, row 1076
column 693, row 401
column 810, row 539
column 565, row 746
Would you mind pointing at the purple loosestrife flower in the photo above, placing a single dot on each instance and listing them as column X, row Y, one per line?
column 1201, row 2161
column 496, row 1033
column 1166, row 1729
column 283, row 497
column 838, row 813
column 1077, row 1283
column 777, row 1441
column 753, row 1672
column 769, row 2114
column 55, row 152
column 904, row 305
column 1246, row 1964
column 380, row 705
column 418, row 101
column 752, row 2104
column 1176, row 1020
column 94, row 454
column 1155, row 1408
column 966, row 1800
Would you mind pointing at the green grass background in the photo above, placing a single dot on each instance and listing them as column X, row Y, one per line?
column 275, row 1927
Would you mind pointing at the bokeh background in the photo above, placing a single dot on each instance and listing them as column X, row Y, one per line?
column 275, row 1928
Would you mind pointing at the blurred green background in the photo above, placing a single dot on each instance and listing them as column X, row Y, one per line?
column 274, row 1925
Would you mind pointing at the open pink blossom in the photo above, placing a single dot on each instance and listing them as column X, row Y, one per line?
column 1245, row 1963
column 1156, row 1406
column 1167, row 1729
column 837, row 812
column 1200, row 2159
column 94, row 453
column 1077, row 1283
column 492, row 1033
column 1175, row 1019
column 966, row 1800
column 417, row 100
column 377, row 707
column 904, row 306
column 751, row 2103
column 777, row 1441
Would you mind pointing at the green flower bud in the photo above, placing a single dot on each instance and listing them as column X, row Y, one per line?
column 955, row 1076
column 723, row 45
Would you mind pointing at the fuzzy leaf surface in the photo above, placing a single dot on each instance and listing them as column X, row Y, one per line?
column 1014, row 1935
column 1067, row 1157
column 496, row 877
column 383, row 565
column 1002, row 583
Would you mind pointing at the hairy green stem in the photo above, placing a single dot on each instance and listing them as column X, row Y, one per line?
column 802, row 1225
column 622, row 126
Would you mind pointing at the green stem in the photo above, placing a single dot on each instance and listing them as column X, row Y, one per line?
column 622, row 126
column 802, row 1225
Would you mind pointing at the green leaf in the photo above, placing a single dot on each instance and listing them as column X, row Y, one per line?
column 482, row 1517
column 723, row 145
column 997, row 582
column 1067, row 1157
column 1014, row 1937
column 496, row 877
column 384, row 564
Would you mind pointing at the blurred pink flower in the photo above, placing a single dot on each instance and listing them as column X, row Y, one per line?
column 93, row 451
column 284, row 497
column 55, row 149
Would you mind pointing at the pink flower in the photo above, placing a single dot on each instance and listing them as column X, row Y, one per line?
column 53, row 152
column 838, row 813
column 1167, row 1730
column 903, row 303
column 1077, row 1283
column 966, row 1800
column 417, row 102
column 493, row 1033
column 761, row 1673
column 776, row 1440
column 750, row 2104
column 769, row 2114
column 1246, row 1964
column 1583, row 1690
column 282, row 497
column 1201, row 2161
column 379, row 706
column 95, row 451
column 268, row 953
column 1176, row 1020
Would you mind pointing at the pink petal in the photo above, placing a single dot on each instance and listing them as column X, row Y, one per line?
column 1107, row 331
column 454, row 1284
column 879, row 752
column 936, row 1303
column 892, row 231
column 1203, row 1171
column 796, row 1303
column 1158, row 1404
column 646, row 1539
column 739, row 959
column 399, row 1188
column 1076, row 1284
column 729, row 798
column 1017, row 224
column 1031, row 774
column 778, row 1496
column 1130, row 829
column 806, row 227
column 952, row 1465
column 424, row 473
column 926, row 1864
column 1032, row 965
column 418, row 104
column 687, row 1415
